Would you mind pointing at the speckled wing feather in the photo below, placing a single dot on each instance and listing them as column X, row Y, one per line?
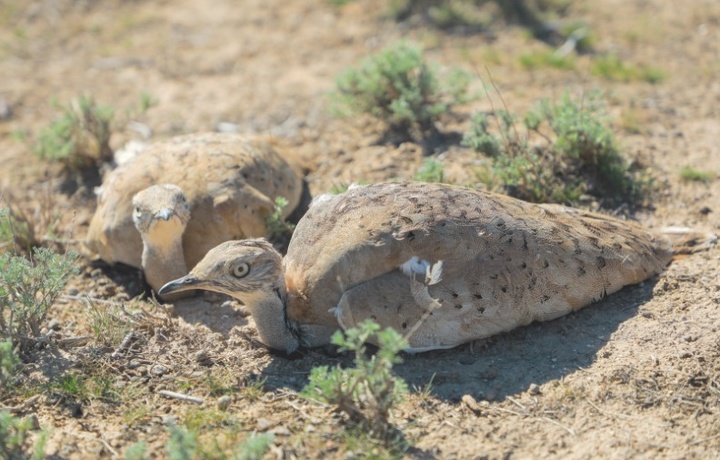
column 505, row 262
column 230, row 180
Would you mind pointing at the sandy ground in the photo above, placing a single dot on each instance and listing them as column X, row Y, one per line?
column 635, row 375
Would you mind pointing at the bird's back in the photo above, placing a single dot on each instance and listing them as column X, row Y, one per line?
column 503, row 260
column 230, row 181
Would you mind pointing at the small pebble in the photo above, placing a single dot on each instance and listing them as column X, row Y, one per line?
column 263, row 424
column 158, row 370
column 224, row 402
column 73, row 291
column 54, row 325
column 534, row 389
column 169, row 419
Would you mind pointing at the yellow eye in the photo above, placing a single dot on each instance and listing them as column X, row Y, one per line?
column 241, row 270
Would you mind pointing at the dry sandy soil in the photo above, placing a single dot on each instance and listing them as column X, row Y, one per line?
column 635, row 375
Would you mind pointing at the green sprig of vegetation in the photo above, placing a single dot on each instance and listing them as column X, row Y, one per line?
column 278, row 228
column 690, row 174
column 368, row 392
column 611, row 67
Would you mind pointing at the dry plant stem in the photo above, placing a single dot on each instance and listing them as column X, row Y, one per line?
column 124, row 345
column 624, row 416
column 21, row 407
column 180, row 396
column 570, row 431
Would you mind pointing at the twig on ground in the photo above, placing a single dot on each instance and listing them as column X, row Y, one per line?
column 556, row 423
column 21, row 407
column 625, row 416
column 124, row 345
column 180, row 396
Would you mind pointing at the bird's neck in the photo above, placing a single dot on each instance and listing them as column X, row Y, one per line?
column 269, row 310
column 162, row 263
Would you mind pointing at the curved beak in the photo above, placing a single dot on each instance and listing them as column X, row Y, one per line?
column 186, row 283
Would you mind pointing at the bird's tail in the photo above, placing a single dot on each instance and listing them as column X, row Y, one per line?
column 685, row 240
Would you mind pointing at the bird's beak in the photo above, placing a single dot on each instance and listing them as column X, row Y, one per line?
column 165, row 214
column 186, row 283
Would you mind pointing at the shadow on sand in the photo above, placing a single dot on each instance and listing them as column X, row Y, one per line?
column 499, row 366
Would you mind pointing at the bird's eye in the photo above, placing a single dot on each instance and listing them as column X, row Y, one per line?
column 241, row 270
column 137, row 210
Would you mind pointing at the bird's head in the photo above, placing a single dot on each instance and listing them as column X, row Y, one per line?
column 161, row 213
column 250, row 271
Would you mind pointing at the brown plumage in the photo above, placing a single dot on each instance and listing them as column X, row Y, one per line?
column 230, row 182
column 366, row 254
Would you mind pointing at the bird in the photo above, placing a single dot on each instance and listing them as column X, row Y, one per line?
column 230, row 183
column 441, row 264
column 161, row 214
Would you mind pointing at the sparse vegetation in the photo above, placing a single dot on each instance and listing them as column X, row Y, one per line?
column 561, row 152
column 8, row 363
column 431, row 170
column 80, row 138
column 368, row 392
column 277, row 228
column 611, row 67
column 690, row 174
column 15, row 439
column 398, row 87
column 187, row 445
column 546, row 58
column 137, row 451
column 478, row 15
column 28, row 288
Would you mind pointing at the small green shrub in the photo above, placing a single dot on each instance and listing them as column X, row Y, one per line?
column 566, row 151
column 80, row 138
column 186, row 445
column 182, row 445
column 398, row 87
column 610, row 67
column 136, row 451
column 15, row 442
column 28, row 288
column 369, row 391
column 689, row 174
column 431, row 170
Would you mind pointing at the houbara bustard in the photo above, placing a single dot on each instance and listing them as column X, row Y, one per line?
column 225, row 185
column 448, row 264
